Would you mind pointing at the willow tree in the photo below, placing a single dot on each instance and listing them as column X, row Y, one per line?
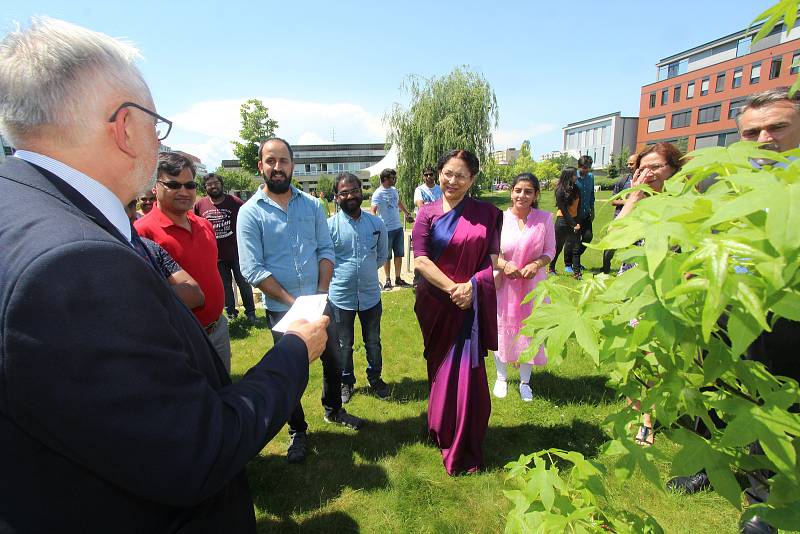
column 454, row 111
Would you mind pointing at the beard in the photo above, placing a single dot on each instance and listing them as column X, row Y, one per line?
column 277, row 187
column 351, row 206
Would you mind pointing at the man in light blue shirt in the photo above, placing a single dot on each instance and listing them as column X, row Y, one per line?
column 360, row 245
column 285, row 250
column 385, row 204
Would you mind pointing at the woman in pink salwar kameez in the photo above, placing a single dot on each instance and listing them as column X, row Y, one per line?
column 527, row 245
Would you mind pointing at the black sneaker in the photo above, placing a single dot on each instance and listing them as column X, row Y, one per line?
column 251, row 317
column 691, row 484
column 399, row 282
column 343, row 418
column 380, row 389
column 296, row 453
column 347, row 392
column 387, row 286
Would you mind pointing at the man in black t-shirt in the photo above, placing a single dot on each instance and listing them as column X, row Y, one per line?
column 221, row 211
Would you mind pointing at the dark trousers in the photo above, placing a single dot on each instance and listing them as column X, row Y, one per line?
column 586, row 235
column 371, row 334
column 566, row 239
column 331, row 373
column 225, row 269
column 608, row 255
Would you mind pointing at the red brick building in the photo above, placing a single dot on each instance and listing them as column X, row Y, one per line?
column 700, row 91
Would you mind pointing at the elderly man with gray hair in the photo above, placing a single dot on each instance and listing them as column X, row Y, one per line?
column 116, row 412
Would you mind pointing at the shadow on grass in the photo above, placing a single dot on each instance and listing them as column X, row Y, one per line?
column 335, row 462
column 505, row 444
column 241, row 328
column 406, row 390
column 332, row 522
column 563, row 390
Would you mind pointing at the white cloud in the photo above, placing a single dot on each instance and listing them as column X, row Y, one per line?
column 513, row 138
column 216, row 123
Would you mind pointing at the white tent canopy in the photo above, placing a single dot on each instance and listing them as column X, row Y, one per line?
column 389, row 161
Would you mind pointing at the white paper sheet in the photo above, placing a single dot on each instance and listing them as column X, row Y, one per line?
column 308, row 307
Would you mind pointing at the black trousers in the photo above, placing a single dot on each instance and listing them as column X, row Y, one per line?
column 566, row 239
column 226, row 268
column 331, row 373
column 586, row 234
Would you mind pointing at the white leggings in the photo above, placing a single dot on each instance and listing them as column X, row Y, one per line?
column 502, row 370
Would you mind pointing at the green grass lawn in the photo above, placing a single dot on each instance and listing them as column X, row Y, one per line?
column 389, row 478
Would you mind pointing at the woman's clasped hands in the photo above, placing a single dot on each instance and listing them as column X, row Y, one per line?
column 461, row 295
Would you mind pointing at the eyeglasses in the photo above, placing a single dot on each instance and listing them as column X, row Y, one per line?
column 455, row 176
column 653, row 166
column 175, row 185
column 147, row 200
column 427, row 174
column 163, row 126
column 348, row 193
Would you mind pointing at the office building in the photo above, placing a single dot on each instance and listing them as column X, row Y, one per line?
column 699, row 91
column 505, row 157
column 600, row 137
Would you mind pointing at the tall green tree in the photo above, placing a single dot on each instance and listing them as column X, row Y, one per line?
column 237, row 179
column 256, row 126
column 458, row 110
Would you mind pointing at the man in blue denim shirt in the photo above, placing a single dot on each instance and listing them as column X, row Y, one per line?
column 285, row 250
column 361, row 246
column 585, row 185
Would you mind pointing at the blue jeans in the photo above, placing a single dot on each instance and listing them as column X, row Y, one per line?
column 370, row 332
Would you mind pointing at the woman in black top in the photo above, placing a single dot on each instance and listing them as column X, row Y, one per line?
column 567, row 228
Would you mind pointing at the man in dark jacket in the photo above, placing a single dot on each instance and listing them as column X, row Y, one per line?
column 116, row 412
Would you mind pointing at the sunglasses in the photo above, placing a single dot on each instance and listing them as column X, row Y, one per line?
column 175, row 185
column 427, row 174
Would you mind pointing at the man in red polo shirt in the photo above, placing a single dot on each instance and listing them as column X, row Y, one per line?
column 190, row 240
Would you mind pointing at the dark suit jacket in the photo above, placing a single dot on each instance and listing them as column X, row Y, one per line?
column 116, row 414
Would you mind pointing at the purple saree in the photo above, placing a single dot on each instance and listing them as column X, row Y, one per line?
column 456, row 341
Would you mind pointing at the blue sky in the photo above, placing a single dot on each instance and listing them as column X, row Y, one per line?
column 339, row 66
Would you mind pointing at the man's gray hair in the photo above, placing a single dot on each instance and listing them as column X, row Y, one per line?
column 58, row 74
column 770, row 96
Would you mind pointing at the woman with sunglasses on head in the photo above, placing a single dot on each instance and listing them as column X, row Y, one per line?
column 527, row 243
column 456, row 242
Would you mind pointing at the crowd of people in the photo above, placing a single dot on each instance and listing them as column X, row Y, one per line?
column 116, row 392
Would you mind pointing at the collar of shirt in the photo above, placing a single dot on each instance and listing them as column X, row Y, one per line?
column 99, row 195
column 262, row 195
column 166, row 222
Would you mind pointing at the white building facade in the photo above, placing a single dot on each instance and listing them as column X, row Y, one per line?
column 600, row 137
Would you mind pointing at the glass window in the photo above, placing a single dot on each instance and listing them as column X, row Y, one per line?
column 708, row 114
column 743, row 46
column 795, row 63
column 652, row 100
column 681, row 120
column 737, row 78
column 672, row 70
column 755, row 73
column 662, row 72
column 690, row 90
column 704, row 87
column 683, row 66
column 676, row 94
column 775, row 68
column 720, row 83
column 731, row 137
column 664, row 97
column 735, row 108
column 706, row 141
column 656, row 125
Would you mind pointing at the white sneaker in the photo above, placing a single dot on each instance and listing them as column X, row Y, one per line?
column 526, row 392
column 500, row 389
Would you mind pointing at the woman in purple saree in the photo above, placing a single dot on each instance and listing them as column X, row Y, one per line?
column 456, row 242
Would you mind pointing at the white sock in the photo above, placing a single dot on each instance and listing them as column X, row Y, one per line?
column 502, row 368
